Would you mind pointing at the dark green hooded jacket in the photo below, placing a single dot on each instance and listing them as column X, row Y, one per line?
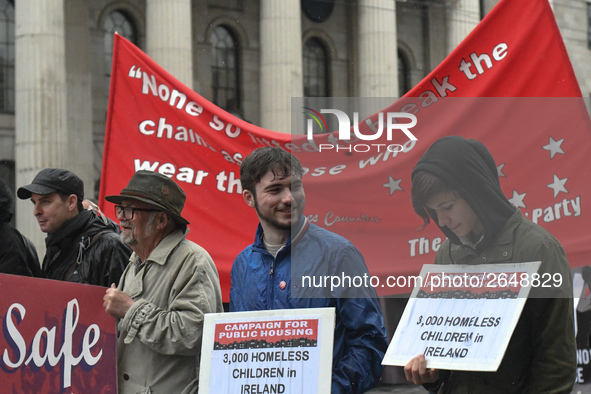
column 541, row 355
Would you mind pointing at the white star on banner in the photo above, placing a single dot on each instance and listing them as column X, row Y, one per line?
column 500, row 170
column 393, row 185
column 554, row 147
column 558, row 185
column 517, row 199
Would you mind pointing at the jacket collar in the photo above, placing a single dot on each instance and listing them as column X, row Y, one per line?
column 160, row 254
column 300, row 230
column 500, row 250
column 70, row 229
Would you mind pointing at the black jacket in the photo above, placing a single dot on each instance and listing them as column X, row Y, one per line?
column 17, row 255
column 86, row 250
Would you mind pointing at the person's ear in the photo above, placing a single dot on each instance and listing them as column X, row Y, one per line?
column 72, row 202
column 249, row 198
column 162, row 220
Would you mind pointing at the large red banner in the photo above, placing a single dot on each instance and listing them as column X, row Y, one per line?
column 56, row 338
column 509, row 84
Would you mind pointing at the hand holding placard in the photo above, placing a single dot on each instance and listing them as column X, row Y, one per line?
column 459, row 319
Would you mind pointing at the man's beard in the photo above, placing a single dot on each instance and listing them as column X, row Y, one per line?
column 129, row 238
column 274, row 222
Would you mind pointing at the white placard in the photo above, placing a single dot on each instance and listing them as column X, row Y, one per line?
column 461, row 317
column 278, row 351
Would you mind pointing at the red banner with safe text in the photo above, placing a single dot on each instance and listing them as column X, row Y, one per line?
column 56, row 338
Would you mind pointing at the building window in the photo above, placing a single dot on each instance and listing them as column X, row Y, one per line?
column 403, row 74
column 317, row 10
column 117, row 22
column 225, row 83
column 6, row 56
column 315, row 64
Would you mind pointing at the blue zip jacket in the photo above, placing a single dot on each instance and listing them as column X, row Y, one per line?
column 262, row 282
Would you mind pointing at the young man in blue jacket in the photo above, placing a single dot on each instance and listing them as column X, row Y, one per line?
column 262, row 277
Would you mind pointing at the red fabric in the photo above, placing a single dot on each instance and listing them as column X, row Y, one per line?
column 521, row 99
column 60, row 342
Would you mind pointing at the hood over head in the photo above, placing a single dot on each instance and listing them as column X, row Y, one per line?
column 466, row 166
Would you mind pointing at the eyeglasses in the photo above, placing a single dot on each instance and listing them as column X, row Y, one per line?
column 128, row 212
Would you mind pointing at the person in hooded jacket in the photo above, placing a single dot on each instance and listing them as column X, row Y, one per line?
column 80, row 246
column 269, row 273
column 18, row 255
column 456, row 184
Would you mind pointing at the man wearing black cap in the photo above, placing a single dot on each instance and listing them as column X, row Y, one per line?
column 81, row 248
column 164, row 292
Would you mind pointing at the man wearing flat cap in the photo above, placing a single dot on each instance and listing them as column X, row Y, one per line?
column 164, row 292
column 80, row 247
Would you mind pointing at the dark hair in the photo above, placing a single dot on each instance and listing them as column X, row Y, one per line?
column 64, row 196
column 279, row 161
column 424, row 187
column 6, row 203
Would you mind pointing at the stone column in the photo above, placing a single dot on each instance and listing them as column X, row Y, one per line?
column 462, row 16
column 437, row 48
column 169, row 38
column 378, row 49
column 78, row 94
column 41, row 118
column 281, row 62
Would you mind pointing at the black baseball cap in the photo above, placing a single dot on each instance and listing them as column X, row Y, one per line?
column 51, row 180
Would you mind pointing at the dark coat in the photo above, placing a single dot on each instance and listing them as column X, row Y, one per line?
column 86, row 250
column 541, row 355
column 17, row 255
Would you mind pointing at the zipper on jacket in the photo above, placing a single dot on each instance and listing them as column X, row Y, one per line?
column 271, row 293
column 273, row 261
column 271, row 287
